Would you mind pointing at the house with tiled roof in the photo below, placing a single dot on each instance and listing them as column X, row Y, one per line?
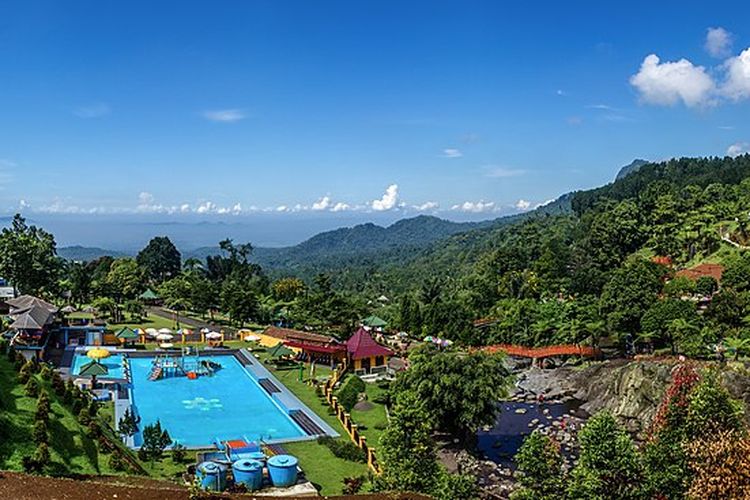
column 365, row 355
column 714, row 271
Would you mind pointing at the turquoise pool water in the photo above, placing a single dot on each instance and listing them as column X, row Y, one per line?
column 228, row 405
column 113, row 364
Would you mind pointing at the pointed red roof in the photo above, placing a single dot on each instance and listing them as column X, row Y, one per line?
column 362, row 345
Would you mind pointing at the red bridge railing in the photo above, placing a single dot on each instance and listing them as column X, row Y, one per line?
column 543, row 352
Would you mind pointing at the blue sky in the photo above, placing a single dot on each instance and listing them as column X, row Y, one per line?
column 377, row 110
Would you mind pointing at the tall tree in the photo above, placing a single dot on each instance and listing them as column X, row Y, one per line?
column 160, row 258
column 28, row 258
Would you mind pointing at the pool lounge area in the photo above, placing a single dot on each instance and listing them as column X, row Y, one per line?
column 240, row 399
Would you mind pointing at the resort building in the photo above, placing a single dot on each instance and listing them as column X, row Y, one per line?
column 273, row 334
column 365, row 355
column 714, row 271
column 33, row 319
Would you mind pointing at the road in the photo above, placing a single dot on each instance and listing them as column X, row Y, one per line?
column 196, row 324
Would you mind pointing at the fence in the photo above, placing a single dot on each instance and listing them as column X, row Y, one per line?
column 346, row 420
column 543, row 352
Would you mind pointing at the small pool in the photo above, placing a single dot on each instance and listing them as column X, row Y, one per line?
column 228, row 405
column 113, row 364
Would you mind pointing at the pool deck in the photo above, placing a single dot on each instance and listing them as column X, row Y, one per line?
column 311, row 424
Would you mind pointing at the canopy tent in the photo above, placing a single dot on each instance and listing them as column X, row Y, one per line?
column 126, row 333
column 93, row 369
column 374, row 322
column 98, row 353
column 149, row 295
column 280, row 350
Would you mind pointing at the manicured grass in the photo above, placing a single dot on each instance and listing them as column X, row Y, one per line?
column 374, row 419
column 148, row 321
column 71, row 450
column 322, row 468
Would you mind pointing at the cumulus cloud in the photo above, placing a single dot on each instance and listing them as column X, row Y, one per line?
column 475, row 206
column 452, row 153
column 388, row 200
column 737, row 83
column 718, row 42
column 427, row 206
column 322, row 204
column 340, row 207
column 95, row 110
column 522, row 204
column 667, row 83
column 738, row 148
column 224, row 115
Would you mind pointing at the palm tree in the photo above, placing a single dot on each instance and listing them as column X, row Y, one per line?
column 737, row 345
column 678, row 330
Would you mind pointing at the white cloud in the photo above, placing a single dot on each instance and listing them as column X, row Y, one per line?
column 502, row 172
column 282, row 208
column 322, row 204
column 668, row 83
column 738, row 148
column 388, row 200
column 737, row 83
column 522, row 204
column 718, row 42
column 95, row 110
column 427, row 206
column 224, row 115
column 475, row 207
column 452, row 153
column 544, row 203
column 340, row 207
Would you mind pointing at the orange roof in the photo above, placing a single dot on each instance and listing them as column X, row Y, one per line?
column 289, row 334
column 694, row 273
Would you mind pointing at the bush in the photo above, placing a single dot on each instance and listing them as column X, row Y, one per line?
column 42, row 408
column 41, row 455
column 343, row 449
column 83, row 416
column 10, row 352
column 116, row 462
column 349, row 392
column 178, row 453
column 25, row 372
column 353, row 485
column 46, row 372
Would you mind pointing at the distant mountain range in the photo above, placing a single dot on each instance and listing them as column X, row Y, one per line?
column 362, row 242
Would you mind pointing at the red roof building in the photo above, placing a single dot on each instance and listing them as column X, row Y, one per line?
column 695, row 273
column 366, row 354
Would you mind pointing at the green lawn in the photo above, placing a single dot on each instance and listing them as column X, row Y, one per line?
column 71, row 450
column 322, row 468
column 374, row 419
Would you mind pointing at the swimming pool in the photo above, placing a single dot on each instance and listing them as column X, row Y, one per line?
column 113, row 364
column 228, row 405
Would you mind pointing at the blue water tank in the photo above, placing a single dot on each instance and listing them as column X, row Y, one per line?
column 248, row 472
column 257, row 455
column 212, row 476
column 283, row 470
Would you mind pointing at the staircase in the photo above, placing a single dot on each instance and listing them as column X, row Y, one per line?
column 269, row 386
column 155, row 373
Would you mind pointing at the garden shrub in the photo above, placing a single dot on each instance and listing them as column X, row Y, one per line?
column 40, row 433
column 31, row 388
column 343, row 449
column 349, row 392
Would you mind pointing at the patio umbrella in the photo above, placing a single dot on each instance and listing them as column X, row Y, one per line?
column 252, row 338
column 93, row 369
column 164, row 337
column 98, row 353
column 152, row 332
column 205, row 330
column 166, row 345
column 89, row 309
column 68, row 309
column 184, row 331
column 213, row 335
column 280, row 350
column 165, row 330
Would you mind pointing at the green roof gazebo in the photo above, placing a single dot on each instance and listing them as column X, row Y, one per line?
column 93, row 369
column 280, row 350
column 149, row 295
column 374, row 322
column 126, row 335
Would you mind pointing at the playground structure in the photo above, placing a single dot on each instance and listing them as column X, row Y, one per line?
column 186, row 364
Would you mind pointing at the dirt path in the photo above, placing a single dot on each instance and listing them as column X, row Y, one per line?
column 192, row 322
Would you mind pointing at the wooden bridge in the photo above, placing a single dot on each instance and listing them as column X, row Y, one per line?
column 543, row 352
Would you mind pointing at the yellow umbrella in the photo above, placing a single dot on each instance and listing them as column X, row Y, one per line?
column 98, row 353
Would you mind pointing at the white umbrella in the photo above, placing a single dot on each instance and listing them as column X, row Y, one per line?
column 166, row 345
column 213, row 335
column 68, row 309
column 164, row 337
column 252, row 338
column 165, row 330
column 184, row 331
column 151, row 332
column 205, row 330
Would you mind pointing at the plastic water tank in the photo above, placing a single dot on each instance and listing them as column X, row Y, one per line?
column 212, row 476
column 248, row 472
column 283, row 470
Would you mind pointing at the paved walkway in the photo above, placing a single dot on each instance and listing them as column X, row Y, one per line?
column 196, row 324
